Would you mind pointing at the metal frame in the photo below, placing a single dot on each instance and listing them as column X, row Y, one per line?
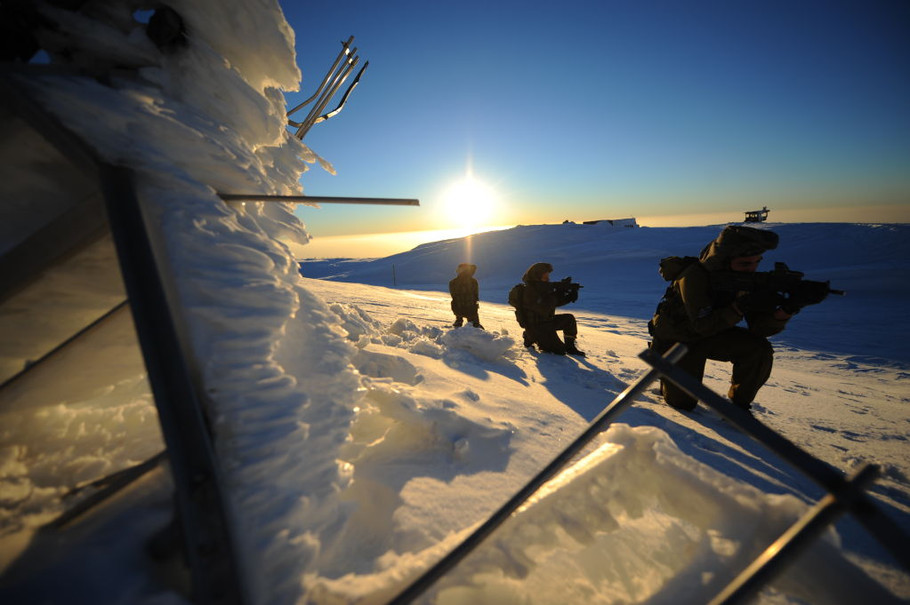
column 202, row 510
column 50, row 354
column 209, row 543
column 201, row 506
column 598, row 425
column 105, row 488
column 844, row 494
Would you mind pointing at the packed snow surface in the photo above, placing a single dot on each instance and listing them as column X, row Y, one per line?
column 362, row 437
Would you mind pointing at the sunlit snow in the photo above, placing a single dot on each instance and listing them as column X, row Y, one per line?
column 362, row 437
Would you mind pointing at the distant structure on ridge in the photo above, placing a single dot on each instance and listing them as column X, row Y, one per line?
column 757, row 216
column 616, row 222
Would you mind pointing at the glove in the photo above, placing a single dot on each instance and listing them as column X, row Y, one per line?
column 758, row 301
column 806, row 293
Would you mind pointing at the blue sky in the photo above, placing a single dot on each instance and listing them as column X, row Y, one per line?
column 672, row 112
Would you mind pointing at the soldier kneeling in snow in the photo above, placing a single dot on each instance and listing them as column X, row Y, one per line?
column 540, row 320
column 465, row 294
column 695, row 310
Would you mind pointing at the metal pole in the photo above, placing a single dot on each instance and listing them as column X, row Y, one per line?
column 208, row 532
column 617, row 406
column 344, row 51
column 87, row 329
column 795, row 540
column 344, row 98
column 327, row 95
column 821, row 472
column 318, row 199
column 865, row 510
column 107, row 487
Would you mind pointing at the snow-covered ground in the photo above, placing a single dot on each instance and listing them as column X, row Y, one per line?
column 841, row 397
column 361, row 437
column 438, row 427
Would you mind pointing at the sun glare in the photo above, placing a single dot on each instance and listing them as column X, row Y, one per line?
column 469, row 203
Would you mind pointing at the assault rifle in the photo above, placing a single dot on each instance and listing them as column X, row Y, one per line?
column 566, row 289
column 769, row 289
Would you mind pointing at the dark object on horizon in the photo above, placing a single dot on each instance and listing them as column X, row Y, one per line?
column 615, row 222
column 757, row 216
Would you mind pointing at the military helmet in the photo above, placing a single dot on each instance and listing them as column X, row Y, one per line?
column 536, row 271
column 735, row 241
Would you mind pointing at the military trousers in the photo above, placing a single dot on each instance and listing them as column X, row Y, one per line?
column 543, row 333
column 466, row 310
column 751, row 355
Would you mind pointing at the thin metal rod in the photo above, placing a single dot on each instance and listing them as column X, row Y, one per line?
column 888, row 533
column 319, row 199
column 795, row 540
column 108, row 486
column 107, row 315
column 608, row 415
column 344, row 51
column 817, row 470
column 208, row 532
column 327, row 95
column 344, row 98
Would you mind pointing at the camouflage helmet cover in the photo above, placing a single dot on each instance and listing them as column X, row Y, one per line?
column 736, row 241
column 465, row 268
column 536, row 271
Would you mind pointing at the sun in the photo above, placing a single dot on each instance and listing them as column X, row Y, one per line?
column 469, row 202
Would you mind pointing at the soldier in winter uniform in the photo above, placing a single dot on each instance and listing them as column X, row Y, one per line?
column 465, row 294
column 540, row 300
column 705, row 318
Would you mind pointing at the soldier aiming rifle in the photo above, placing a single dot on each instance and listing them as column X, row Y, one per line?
column 711, row 294
column 535, row 301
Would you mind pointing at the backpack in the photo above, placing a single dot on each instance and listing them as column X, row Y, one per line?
column 671, row 267
column 516, row 299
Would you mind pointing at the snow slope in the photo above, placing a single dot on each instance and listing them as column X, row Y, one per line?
column 361, row 438
column 434, row 428
column 617, row 267
column 818, row 398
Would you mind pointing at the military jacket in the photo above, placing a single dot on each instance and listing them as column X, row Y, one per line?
column 540, row 301
column 465, row 293
column 692, row 310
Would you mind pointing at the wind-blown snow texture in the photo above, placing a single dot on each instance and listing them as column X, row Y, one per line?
column 362, row 437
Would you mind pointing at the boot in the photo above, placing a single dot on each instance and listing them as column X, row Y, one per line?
column 458, row 323
column 571, row 349
column 737, row 401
